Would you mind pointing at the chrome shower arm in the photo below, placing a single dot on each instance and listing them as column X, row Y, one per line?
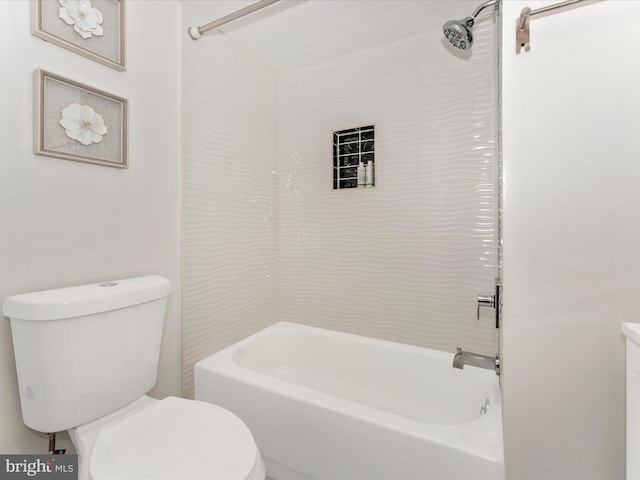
column 483, row 6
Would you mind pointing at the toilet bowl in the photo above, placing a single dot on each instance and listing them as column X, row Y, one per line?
column 170, row 438
column 85, row 358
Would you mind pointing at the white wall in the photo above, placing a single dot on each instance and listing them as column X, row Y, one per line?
column 68, row 223
column 405, row 260
column 230, row 193
column 571, row 236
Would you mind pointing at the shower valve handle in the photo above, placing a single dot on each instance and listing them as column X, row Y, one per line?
column 485, row 301
column 493, row 301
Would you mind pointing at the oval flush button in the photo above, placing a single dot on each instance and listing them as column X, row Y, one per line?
column 107, row 284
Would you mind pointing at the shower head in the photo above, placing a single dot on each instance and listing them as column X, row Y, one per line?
column 458, row 32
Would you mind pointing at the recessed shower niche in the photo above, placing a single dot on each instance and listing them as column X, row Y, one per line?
column 353, row 158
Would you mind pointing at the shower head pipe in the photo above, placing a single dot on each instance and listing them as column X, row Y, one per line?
column 477, row 11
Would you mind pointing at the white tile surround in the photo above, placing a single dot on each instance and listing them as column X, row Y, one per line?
column 266, row 237
column 404, row 260
column 230, row 195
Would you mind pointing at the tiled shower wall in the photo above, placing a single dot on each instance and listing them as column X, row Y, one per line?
column 230, row 195
column 406, row 259
column 265, row 237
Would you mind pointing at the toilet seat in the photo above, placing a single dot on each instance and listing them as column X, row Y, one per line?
column 177, row 438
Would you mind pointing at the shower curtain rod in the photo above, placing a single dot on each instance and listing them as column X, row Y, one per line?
column 526, row 15
column 197, row 32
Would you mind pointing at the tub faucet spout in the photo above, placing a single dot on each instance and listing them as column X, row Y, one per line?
column 462, row 358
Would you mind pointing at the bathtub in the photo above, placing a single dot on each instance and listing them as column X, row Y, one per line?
column 328, row 405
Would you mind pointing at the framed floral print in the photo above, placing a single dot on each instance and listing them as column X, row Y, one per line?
column 76, row 122
column 93, row 28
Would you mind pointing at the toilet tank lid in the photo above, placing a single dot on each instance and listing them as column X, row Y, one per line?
column 86, row 299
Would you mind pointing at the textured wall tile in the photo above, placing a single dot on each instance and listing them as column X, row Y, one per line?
column 229, row 199
column 405, row 260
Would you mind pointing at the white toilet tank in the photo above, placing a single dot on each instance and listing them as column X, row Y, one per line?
column 632, row 332
column 82, row 352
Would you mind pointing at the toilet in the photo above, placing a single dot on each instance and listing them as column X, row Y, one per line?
column 85, row 358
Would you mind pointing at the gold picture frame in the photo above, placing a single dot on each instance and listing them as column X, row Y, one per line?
column 76, row 122
column 97, row 33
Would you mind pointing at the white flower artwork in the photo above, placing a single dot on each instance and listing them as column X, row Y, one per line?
column 82, row 123
column 86, row 20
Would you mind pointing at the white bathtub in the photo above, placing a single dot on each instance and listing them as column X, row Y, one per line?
column 328, row 405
